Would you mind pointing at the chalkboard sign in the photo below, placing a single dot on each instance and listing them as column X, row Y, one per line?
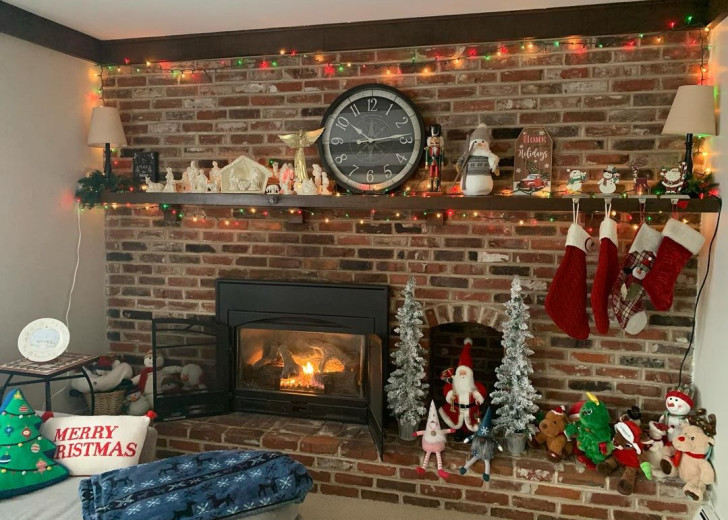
column 143, row 164
column 533, row 161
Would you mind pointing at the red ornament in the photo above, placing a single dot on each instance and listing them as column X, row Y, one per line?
column 23, row 408
column 26, row 432
column 35, row 447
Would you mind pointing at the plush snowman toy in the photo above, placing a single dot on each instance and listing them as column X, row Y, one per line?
column 678, row 404
column 478, row 164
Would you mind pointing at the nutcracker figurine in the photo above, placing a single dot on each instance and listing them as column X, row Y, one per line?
column 433, row 159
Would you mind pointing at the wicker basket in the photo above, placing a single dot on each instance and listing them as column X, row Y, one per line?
column 106, row 403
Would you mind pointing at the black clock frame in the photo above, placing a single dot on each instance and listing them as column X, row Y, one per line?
column 367, row 86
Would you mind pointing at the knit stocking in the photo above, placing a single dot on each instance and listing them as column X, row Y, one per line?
column 606, row 275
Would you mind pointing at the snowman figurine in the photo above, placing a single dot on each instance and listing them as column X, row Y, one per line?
column 478, row 164
column 576, row 178
column 136, row 403
column 610, row 178
column 678, row 405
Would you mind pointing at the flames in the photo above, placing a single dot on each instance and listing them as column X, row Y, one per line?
column 310, row 378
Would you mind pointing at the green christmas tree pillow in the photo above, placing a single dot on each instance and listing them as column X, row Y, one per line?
column 26, row 457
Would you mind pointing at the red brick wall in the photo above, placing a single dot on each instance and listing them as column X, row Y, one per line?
column 602, row 105
column 158, row 270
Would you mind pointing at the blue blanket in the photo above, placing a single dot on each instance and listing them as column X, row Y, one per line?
column 203, row 486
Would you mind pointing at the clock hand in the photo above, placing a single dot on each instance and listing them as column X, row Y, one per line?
column 366, row 138
column 395, row 136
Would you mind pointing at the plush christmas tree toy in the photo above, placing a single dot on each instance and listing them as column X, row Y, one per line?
column 26, row 457
column 483, row 445
column 628, row 453
column 679, row 243
column 433, row 441
column 566, row 299
column 463, row 396
column 626, row 296
column 592, row 432
column 607, row 272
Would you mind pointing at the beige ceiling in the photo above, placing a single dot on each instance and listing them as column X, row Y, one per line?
column 112, row 19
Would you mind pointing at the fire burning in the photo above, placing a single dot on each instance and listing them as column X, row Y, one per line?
column 308, row 379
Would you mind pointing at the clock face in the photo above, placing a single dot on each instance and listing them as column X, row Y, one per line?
column 373, row 138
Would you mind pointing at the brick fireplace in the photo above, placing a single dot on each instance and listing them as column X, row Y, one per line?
column 603, row 105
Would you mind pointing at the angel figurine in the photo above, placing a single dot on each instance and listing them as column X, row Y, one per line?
column 299, row 141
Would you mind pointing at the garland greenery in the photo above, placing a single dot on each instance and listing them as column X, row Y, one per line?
column 89, row 188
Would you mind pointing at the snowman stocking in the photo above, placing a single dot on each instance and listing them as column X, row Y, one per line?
column 607, row 272
column 680, row 242
column 566, row 300
column 626, row 296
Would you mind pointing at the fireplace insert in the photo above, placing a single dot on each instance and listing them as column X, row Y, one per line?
column 307, row 350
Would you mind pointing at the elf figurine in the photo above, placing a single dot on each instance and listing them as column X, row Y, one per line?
column 433, row 441
column 592, row 431
column 478, row 164
column 463, row 396
column 483, row 445
column 433, row 157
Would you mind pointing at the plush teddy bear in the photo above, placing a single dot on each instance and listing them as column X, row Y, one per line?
column 592, row 432
column 551, row 433
column 690, row 462
column 628, row 452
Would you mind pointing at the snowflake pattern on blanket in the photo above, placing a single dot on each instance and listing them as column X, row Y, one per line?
column 204, row 486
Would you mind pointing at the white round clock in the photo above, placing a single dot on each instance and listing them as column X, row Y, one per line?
column 43, row 339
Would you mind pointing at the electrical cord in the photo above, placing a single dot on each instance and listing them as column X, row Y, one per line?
column 700, row 291
column 78, row 262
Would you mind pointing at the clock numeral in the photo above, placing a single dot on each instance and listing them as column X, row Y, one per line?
column 370, row 176
column 355, row 168
column 401, row 158
column 403, row 122
column 387, row 171
column 405, row 140
column 337, row 140
column 390, row 108
column 342, row 122
column 372, row 105
column 340, row 159
column 354, row 109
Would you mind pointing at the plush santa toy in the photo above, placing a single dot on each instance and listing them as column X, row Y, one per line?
column 433, row 441
column 678, row 405
column 463, row 396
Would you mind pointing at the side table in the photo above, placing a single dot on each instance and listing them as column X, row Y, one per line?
column 46, row 372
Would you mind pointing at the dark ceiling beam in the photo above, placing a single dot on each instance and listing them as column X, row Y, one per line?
column 41, row 31
column 592, row 20
column 717, row 11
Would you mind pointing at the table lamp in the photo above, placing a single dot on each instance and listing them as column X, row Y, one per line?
column 692, row 112
column 106, row 131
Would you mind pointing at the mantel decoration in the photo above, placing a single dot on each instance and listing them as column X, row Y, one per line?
column 533, row 161
column 89, row 188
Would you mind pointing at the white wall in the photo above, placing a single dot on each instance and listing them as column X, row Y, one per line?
column 711, row 353
column 45, row 105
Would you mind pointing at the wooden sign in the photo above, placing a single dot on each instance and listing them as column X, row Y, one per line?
column 145, row 164
column 533, row 161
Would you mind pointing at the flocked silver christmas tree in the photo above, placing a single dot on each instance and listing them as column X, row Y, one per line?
column 514, row 396
column 406, row 387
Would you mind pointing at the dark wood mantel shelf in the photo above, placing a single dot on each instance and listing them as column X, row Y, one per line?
column 409, row 203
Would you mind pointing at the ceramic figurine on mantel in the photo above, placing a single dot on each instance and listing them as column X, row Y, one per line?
column 153, row 187
column 576, row 178
column 188, row 176
column 321, row 180
column 674, row 178
column 301, row 140
column 285, row 179
column 215, row 177
column 171, row 185
column 478, row 164
column 609, row 180
column 244, row 175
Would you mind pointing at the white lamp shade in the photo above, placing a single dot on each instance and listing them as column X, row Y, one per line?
column 106, row 128
column 692, row 111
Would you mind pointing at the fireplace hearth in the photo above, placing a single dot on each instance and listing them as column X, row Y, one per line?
column 306, row 350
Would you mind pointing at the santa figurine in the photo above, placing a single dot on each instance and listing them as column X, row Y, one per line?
column 433, row 441
column 463, row 396
column 478, row 164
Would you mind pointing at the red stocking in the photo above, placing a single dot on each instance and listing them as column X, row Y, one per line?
column 679, row 243
column 566, row 300
column 606, row 275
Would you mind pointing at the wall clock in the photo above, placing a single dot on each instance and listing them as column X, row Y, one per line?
column 373, row 138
